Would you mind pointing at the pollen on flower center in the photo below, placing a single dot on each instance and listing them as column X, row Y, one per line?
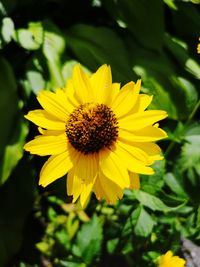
column 92, row 127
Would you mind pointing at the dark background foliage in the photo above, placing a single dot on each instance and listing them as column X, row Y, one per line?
column 40, row 43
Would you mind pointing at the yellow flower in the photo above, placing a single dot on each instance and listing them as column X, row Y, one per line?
column 198, row 47
column 98, row 134
column 168, row 260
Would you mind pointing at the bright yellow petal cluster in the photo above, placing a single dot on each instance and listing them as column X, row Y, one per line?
column 168, row 260
column 99, row 134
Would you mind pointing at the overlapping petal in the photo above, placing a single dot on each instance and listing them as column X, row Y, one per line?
column 45, row 120
column 104, row 188
column 101, row 82
column 56, row 166
column 126, row 99
column 56, row 104
column 47, row 145
column 82, row 87
column 146, row 134
column 141, row 120
column 113, row 168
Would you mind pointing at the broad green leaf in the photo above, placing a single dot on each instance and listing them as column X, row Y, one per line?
column 13, row 151
column 188, row 96
column 93, row 52
column 16, row 200
column 171, row 4
column 181, row 55
column 174, row 94
column 144, row 224
column 36, row 80
column 89, row 239
column 8, row 102
column 30, row 38
column 174, row 184
column 54, row 42
column 150, row 201
column 154, row 183
column 52, row 48
column 192, row 129
column 190, row 154
column 144, row 20
column 7, row 29
column 186, row 21
column 71, row 264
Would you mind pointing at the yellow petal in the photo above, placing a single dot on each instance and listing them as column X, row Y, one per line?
column 47, row 145
column 74, row 185
column 101, row 82
column 98, row 190
column 134, row 181
column 126, row 99
column 132, row 164
column 70, row 91
column 151, row 149
column 109, row 189
column 80, row 181
column 81, row 84
column 86, row 168
column 144, row 101
column 115, row 91
column 141, row 120
column 147, row 134
column 55, row 103
column 136, row 152
column 50, row 132
column 85, row 194
column 113, row 168
column 45, row 120
column 55, row 167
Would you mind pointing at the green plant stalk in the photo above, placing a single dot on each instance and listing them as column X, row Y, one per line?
column 55, row 73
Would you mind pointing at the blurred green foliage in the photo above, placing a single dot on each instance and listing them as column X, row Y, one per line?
column 40, row 42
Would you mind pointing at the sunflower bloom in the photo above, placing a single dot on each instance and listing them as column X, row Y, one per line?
column 102, row 136
column 168, row 260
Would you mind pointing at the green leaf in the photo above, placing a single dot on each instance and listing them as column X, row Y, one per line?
column 190, row 154
column 88, row 241
column 144, row 224
column 93, row 52
column 16, row 200
column 150, row 201
column 54, row 43
column 30, row 38
column 187, row 94
column 7, row 29
column 8, row 102
column 180, row 53
column 171, row 4
column 140, row 17
column 154, row 183
column 174, row 184
column 13, row 151
column 53, row 47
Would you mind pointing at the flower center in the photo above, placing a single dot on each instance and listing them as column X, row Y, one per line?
column 92, row 127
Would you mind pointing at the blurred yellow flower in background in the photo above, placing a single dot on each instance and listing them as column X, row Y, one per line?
column 198, row 47
column 168, row 260
column 102, row 136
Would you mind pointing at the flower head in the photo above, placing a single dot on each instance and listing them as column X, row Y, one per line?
column 168, row 260
column 99, row 134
